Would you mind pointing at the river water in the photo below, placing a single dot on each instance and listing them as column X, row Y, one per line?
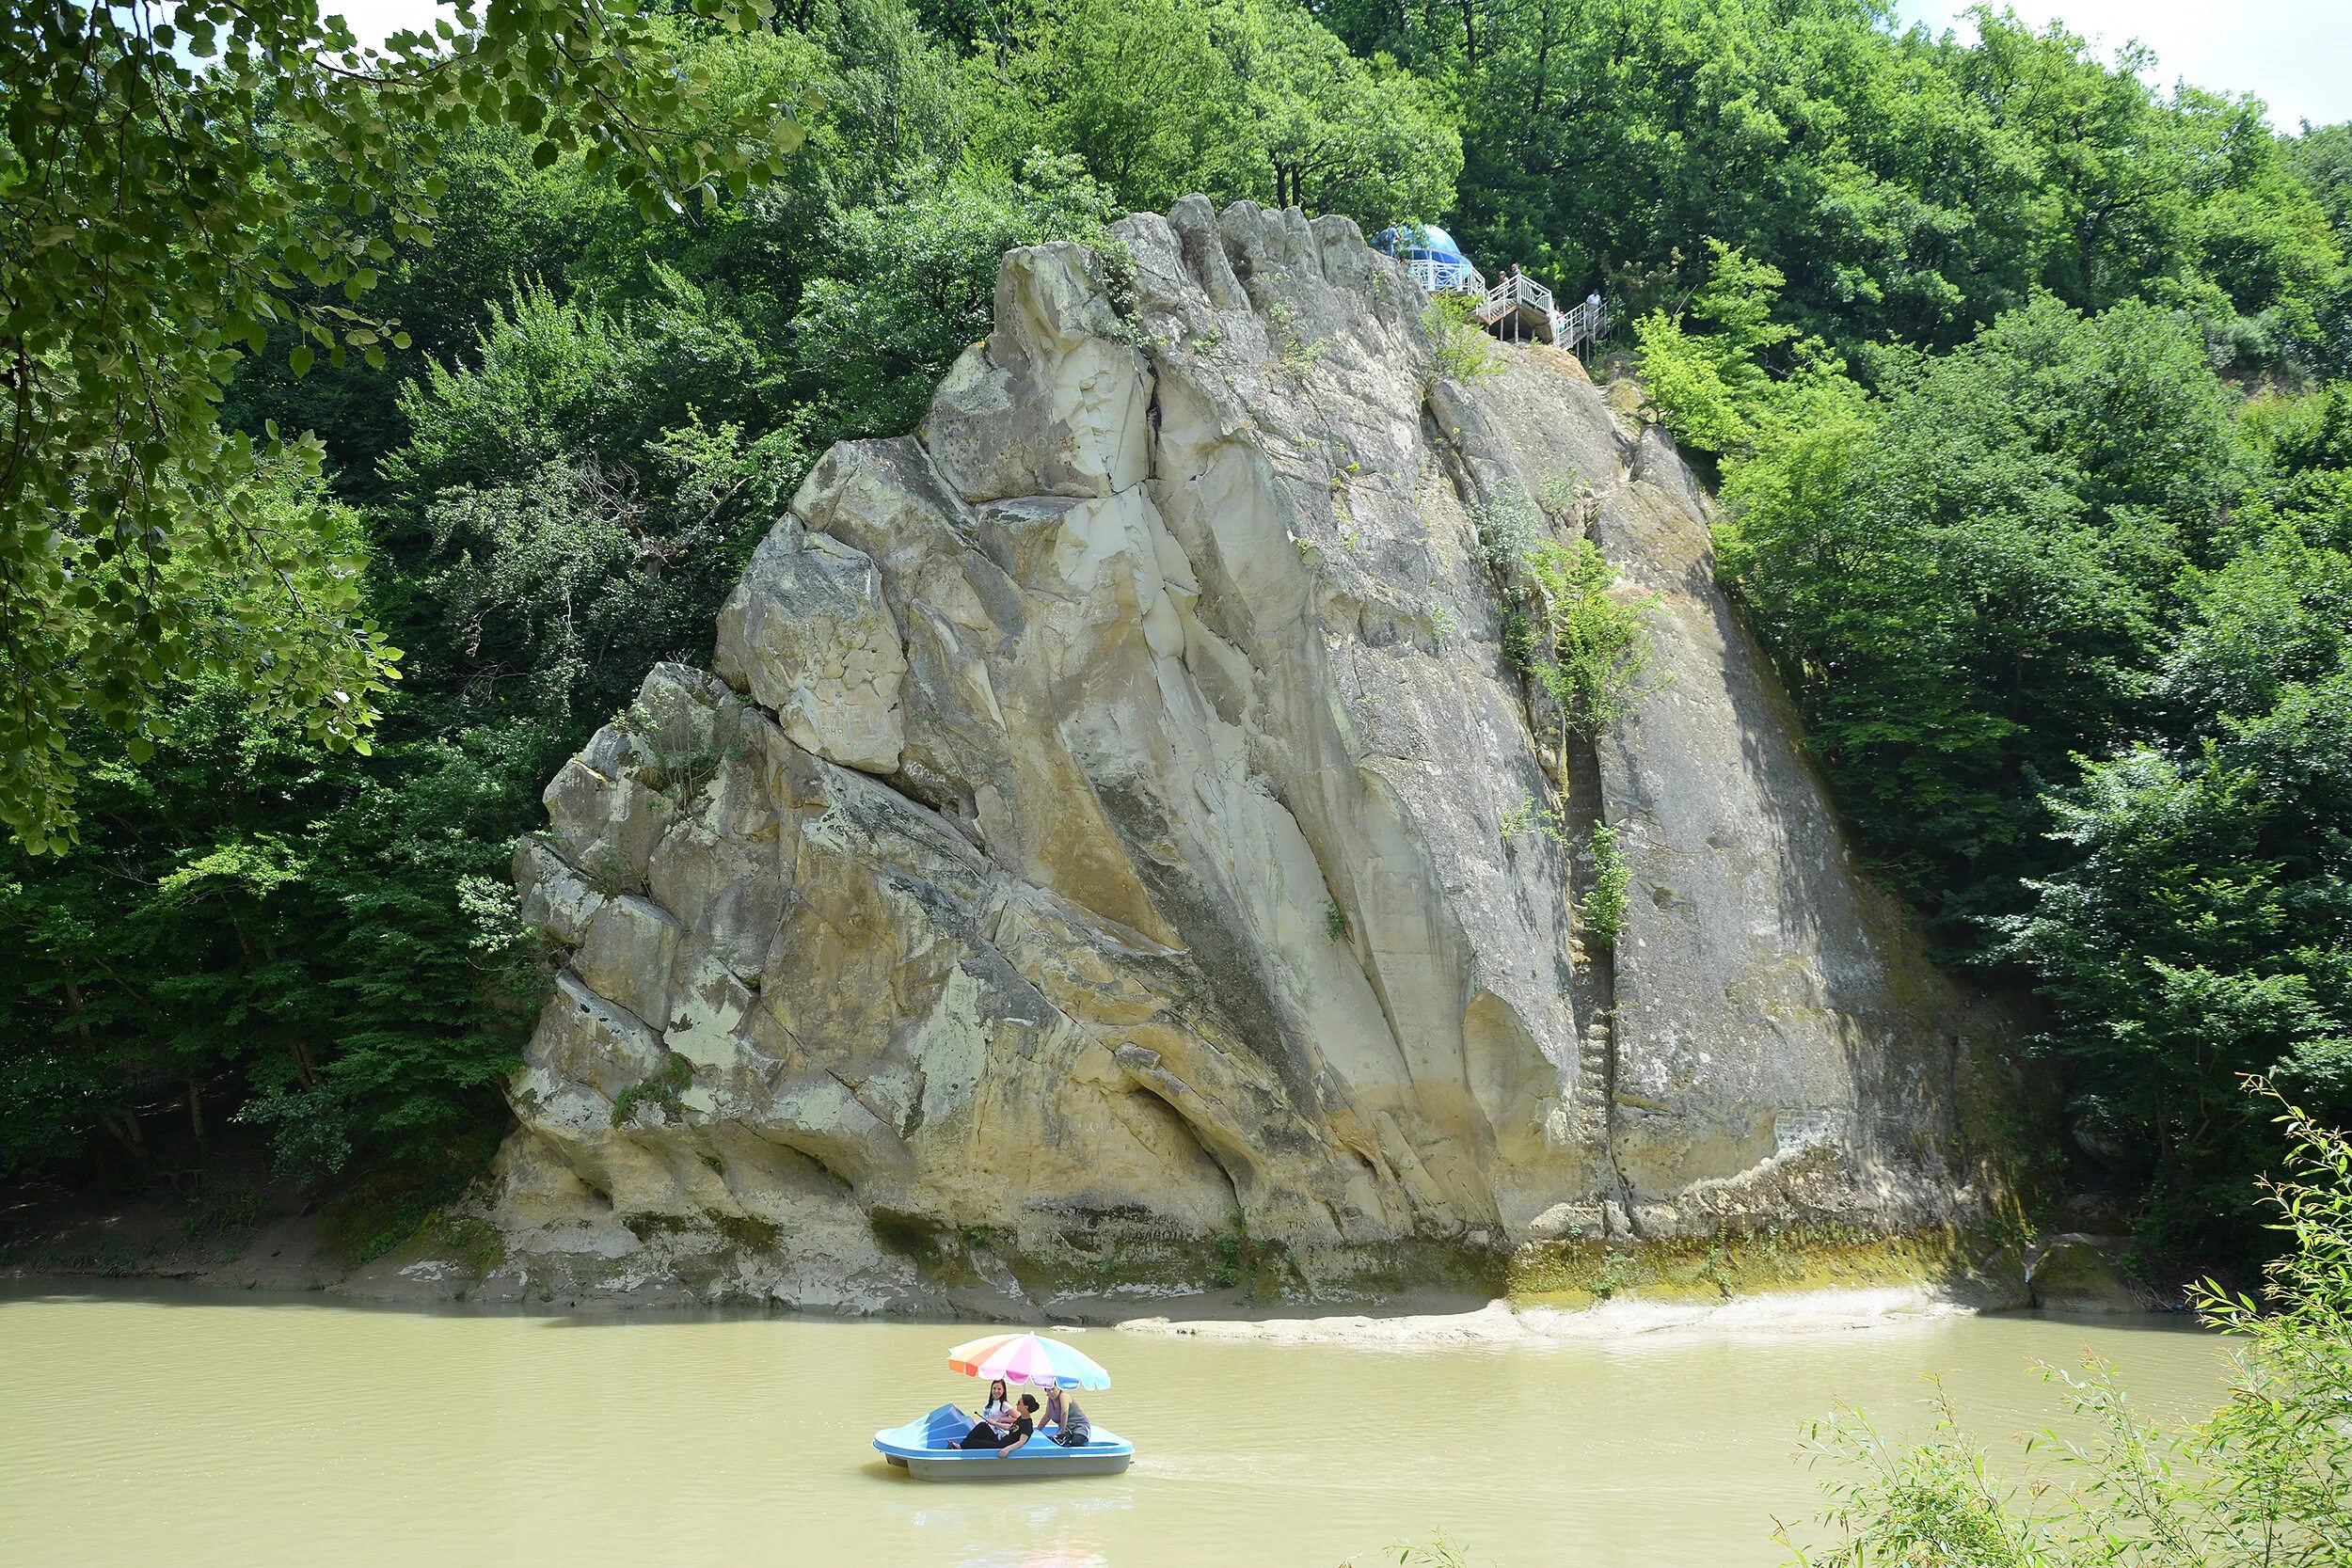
column 150, row 1426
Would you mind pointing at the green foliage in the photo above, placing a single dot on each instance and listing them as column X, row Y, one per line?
column 909, row 285
column 1964, row 579
column 1604, row 906
column 2030, row 529
column 1713, row 389
column 1509, row 527
column 2069, row 643
column 2266, row 1481
column 247, row 903
column 1591, row 652
column 223, row 1209
column 1334, row 920
column 2198, row 934
column 1464, row 351
column 1910, row 186
column 309, row 1130
column 1533, row 815
column 1234, row 98
column 1294, row 351
column 398, row 1200
column 660, row 1088
column 1708, row 388
column 1335, row 133
column 181, row 184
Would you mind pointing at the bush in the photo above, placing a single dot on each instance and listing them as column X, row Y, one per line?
column 2264, row 1482
column 1593, row 651
column 1604, row 906
column 1464, row 349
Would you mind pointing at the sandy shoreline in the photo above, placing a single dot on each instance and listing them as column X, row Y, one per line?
column 1500, row 1322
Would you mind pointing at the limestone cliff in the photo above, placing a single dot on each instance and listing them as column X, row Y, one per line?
column 1085, row 867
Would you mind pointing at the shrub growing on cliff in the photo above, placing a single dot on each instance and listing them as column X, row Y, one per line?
column 1592, row 651
column 1463, row 352
column 1604, row 906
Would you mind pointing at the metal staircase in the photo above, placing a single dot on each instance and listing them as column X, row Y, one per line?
column 1519, row 307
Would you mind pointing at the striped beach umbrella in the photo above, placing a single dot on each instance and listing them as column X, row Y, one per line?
column 1029, row 1359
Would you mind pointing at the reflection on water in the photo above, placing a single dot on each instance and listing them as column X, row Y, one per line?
column 156, row 1427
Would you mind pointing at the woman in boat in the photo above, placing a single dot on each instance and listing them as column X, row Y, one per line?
column 997, row 1412
column 984, row 1436
column 1071, row 1427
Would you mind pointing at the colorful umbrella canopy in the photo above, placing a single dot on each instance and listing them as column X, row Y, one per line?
column 1027, row 1358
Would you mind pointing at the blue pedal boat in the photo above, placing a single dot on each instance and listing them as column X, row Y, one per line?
column 928, row 1448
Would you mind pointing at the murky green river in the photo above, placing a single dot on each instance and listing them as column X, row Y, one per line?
column 153, row 1427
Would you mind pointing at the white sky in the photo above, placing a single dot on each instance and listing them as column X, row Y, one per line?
column 2295, row 55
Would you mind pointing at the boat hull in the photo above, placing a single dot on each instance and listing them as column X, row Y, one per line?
column 926, row 1449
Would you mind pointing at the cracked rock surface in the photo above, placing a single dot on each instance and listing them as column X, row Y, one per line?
column 1084, row 872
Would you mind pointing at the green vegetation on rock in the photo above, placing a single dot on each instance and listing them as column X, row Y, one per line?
column 1577, row 1274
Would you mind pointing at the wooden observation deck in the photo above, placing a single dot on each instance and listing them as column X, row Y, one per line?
column 1519, row 308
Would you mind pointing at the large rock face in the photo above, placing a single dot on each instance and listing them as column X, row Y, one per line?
column 1086, row 869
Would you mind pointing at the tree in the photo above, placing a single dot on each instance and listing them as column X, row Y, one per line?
column 1713, row 389
column 906, row 287
column 1231, row 97
column 178, row 181
column 1138, row 90
column 1338, row 134
column 1964, row 579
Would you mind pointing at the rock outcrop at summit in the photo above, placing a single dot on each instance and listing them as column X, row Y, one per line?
column 1101, row 858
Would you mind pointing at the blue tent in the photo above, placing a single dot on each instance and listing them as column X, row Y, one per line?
column 1433, row 255
column 1421, row 242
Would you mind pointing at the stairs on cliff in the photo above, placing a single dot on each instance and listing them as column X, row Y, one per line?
column 1519, row 308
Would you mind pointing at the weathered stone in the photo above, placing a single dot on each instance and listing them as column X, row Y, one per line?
column 625, row 955
column 1055, row 404
column 1133, row 842
column 808, row 634
column 554, row 896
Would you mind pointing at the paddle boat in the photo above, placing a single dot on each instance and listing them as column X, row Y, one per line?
column 928, row 1448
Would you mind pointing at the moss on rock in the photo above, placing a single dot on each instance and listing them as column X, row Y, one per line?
column 1577, row 1274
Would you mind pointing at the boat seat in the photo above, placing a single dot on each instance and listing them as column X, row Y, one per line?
column 944, row 1427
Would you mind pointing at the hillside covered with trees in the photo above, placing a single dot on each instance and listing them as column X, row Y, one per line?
column 2025, row 384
